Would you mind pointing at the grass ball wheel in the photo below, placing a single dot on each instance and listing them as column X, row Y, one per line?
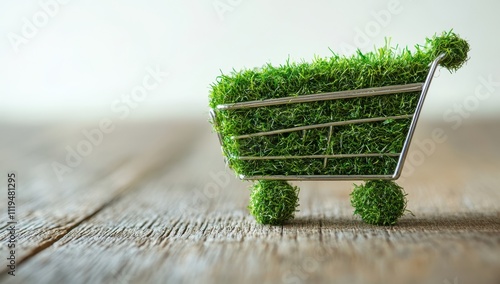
column 379, row 202
column 273, row 202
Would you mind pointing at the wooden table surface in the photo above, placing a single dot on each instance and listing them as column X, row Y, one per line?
column 154, row 203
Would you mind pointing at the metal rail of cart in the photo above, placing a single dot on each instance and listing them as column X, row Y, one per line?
column 422, row 87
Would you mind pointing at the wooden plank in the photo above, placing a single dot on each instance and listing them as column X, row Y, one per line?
column 191, row 225
column 47, row 208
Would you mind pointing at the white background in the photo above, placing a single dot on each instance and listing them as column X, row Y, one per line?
column 87, row 54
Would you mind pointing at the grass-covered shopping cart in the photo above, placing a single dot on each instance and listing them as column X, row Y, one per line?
column 337, row 118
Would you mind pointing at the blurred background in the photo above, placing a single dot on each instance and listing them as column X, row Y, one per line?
column 153, row 60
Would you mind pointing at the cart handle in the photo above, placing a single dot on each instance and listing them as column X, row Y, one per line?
column 416, row 115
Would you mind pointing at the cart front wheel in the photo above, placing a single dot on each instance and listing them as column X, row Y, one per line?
column 379, row 202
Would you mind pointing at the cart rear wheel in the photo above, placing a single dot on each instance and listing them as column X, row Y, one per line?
column 273, row 202
column 379, row 202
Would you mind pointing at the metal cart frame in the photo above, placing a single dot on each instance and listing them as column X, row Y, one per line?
column 368, row 92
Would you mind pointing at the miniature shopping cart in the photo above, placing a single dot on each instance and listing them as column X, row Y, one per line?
column 417, row 88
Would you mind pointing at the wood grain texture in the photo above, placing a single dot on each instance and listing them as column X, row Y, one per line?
column 180, row 217
column 48, row 208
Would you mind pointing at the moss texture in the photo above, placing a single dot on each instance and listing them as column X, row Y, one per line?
column 273, row 202
column 379, row 202
column 383, row 67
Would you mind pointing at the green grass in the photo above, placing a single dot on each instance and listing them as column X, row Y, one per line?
column 379, row 202
column 382, row 67
column 273, row 202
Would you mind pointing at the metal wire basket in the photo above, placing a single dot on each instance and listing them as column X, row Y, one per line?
column 422, row 87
